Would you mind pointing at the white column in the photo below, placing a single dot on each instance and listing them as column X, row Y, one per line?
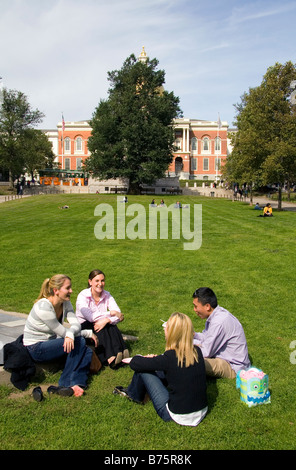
column 187, row 140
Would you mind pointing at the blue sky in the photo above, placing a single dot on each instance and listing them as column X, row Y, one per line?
column 58, row 52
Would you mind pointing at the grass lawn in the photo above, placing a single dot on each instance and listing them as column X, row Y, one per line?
column 247, row 260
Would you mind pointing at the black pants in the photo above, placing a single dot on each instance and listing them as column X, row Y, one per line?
column 110, row 341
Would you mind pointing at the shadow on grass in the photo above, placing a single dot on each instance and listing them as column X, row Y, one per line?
column 212, row 392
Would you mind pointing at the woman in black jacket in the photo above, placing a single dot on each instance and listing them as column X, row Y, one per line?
column 175, row 380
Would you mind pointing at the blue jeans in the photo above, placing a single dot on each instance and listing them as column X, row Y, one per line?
column 77, row 364
column 153, row 384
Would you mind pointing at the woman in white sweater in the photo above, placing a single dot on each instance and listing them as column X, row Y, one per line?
column 47, row 339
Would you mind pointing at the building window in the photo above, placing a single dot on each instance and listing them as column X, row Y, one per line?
column 206, row 164
column 217, row 144
column 194, row 145
column 78, row 163
column 79, row 144
column 206, row 145
column 217, row 164
column 67, row 164
column 193, row 164
column 67, row 145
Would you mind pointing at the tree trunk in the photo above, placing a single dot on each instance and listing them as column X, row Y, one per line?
column 251, row 193
column 134, row 188
column 10, row 180
column 280, row 198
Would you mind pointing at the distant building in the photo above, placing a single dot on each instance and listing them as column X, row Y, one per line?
column 202, row 148
column 201, row 145
column 73, row 144
column 70, row 147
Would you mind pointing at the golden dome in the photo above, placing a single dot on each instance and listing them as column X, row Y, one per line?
column 143, row 56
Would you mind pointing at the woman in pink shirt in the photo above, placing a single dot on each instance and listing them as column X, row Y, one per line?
column 97, row 309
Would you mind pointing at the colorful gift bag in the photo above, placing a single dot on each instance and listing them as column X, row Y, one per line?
column 253, row 385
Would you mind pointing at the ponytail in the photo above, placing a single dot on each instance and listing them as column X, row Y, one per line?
column 49, row 284
column 44, row 291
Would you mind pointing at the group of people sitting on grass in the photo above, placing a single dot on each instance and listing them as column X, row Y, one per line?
column 267, row 210
column 175, row 381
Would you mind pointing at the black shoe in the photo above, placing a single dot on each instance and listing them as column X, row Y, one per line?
column 123, row 391
column 62, row 391
column 37, row 394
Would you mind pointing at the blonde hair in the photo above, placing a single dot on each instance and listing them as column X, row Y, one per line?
column 179, row 336
column 49, row 284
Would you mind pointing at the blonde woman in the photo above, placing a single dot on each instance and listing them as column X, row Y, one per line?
column 175, row 380
column 46, row 338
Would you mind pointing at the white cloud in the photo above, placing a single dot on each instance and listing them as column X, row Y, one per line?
column 252, row 11
column 58, row 52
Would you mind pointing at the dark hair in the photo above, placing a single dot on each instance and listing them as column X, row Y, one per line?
column 94, row 273
column 205, row 295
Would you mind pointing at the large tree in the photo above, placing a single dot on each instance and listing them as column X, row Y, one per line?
column 132, row 134
column 264, row 146
column 16, row 117
column 37, row 151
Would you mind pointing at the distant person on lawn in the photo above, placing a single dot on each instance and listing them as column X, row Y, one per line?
column 222, row 342
column 96, row 309
column 174, row 380
column 267, row 211
column 46, row 339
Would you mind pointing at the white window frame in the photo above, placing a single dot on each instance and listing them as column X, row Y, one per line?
column 67, row 145
column 208, row 150
column 194, row 145
column 217, row 144
column 67, row 163
column 78, row 141
column 217, row 164
column 193, row 164
column 205, row 160
column 79, row 163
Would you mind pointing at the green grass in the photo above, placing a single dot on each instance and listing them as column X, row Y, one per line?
column 247, row 260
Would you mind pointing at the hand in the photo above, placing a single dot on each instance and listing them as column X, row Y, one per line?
column 99, row 325
column 68, row 344
column 95, row 340
column 114, row 313
column 150, row 355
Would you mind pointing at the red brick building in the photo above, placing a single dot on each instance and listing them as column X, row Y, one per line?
column 73, row 144
column 201, row 148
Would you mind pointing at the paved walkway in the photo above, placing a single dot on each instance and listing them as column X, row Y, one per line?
column 11, row 327
column 13, row 197
column 228, row 194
